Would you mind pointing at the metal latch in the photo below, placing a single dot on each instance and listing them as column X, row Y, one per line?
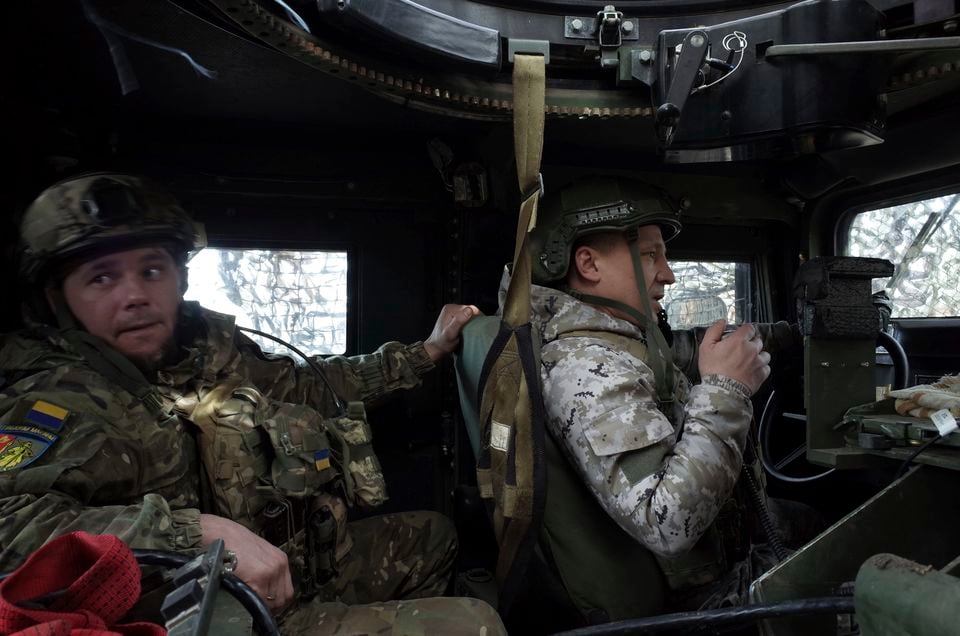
column 608, row 27
column 591, row 28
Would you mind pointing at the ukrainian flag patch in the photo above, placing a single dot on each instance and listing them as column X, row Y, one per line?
column 321, row 459
column 46, row 415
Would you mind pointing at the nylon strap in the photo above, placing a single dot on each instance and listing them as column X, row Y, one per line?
column 511, row 468
column 660, row 356
column 529, row 91
column 115, row 367
column 104, row 359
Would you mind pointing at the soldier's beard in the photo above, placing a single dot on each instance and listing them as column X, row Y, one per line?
column 149, row 365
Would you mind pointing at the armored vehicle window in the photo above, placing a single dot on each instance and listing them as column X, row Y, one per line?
column 299, row 296
column 706, row 291
column 922, row 239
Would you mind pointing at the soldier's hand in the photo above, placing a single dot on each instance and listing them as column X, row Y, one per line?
column 445, row 337
column 260, row 565
column 739, row 355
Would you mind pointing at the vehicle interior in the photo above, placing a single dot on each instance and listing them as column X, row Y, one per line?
column 353, row 164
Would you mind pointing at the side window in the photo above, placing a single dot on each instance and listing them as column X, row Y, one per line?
column 706, row 291
column 299, row 296
column 922, row 239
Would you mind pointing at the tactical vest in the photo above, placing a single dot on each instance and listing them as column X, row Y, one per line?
column 606, row 573
column 271, row 466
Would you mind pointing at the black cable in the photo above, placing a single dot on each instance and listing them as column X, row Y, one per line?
column 263, row 622
column 901, row 364
column 718, row 618
column 760, row 508
column 906, row 463
column 764, row 433
column 341, row 407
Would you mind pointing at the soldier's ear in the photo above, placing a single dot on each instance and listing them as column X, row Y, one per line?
column 584, row 263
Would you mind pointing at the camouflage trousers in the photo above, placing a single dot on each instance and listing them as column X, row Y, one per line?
column 392, row 582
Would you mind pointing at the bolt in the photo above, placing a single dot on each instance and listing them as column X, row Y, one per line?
column 646, row 55
column 697, row 40
column 627, row 27
column 576, row 25
column 726, row 115
column 825, row 365
column 949, row 26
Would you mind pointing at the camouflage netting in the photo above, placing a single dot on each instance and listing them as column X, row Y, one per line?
column 923, row 240
column 299, row 296
column 703, row 293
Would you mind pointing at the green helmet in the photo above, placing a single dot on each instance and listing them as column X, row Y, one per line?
column 590, row 206
column 88, row 214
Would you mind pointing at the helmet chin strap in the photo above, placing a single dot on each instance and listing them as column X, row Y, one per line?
column 102, row 357
column 660, row 356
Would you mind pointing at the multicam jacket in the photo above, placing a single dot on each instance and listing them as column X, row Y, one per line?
column 95, row 458
column 664, row 482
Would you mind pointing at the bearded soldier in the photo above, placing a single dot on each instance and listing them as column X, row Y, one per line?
column 126, row 410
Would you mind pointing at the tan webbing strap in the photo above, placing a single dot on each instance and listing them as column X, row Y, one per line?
column 528, row 104
column 511, row 469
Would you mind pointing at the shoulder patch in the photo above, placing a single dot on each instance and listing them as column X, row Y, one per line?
column 21, row 449
column 30, row 433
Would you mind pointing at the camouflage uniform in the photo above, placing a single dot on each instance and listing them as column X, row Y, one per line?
column 117, row 468
column 81, row 452
column 664, row 480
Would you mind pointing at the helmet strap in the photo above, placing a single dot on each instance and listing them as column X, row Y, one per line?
column 659, row 354
column 61, row 310
column 103, row 358
column 660, row 357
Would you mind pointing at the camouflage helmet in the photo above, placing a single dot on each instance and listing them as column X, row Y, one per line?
column 591, row 206
column 85, row 215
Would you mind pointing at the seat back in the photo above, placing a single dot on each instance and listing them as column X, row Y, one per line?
column 603, row 573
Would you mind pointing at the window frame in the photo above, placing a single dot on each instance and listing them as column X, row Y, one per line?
column 753, row 291
column 353, row 277
column 867, row 204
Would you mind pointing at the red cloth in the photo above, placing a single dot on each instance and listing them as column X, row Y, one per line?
column 101, row 582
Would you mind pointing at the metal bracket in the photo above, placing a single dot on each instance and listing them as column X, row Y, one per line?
column 187, row 610
column 585, row 28
column 529, row 47
column 688, row 61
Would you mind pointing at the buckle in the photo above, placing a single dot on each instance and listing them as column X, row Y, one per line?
column 536, row 189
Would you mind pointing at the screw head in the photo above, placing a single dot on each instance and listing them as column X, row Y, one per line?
column 627, row 27
column 646, row 55
column 576, row 24
column 697, row 40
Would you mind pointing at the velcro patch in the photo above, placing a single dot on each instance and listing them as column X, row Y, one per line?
column 18, row 449
column 46, row 415
column 321, row 459
column 499, row 436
